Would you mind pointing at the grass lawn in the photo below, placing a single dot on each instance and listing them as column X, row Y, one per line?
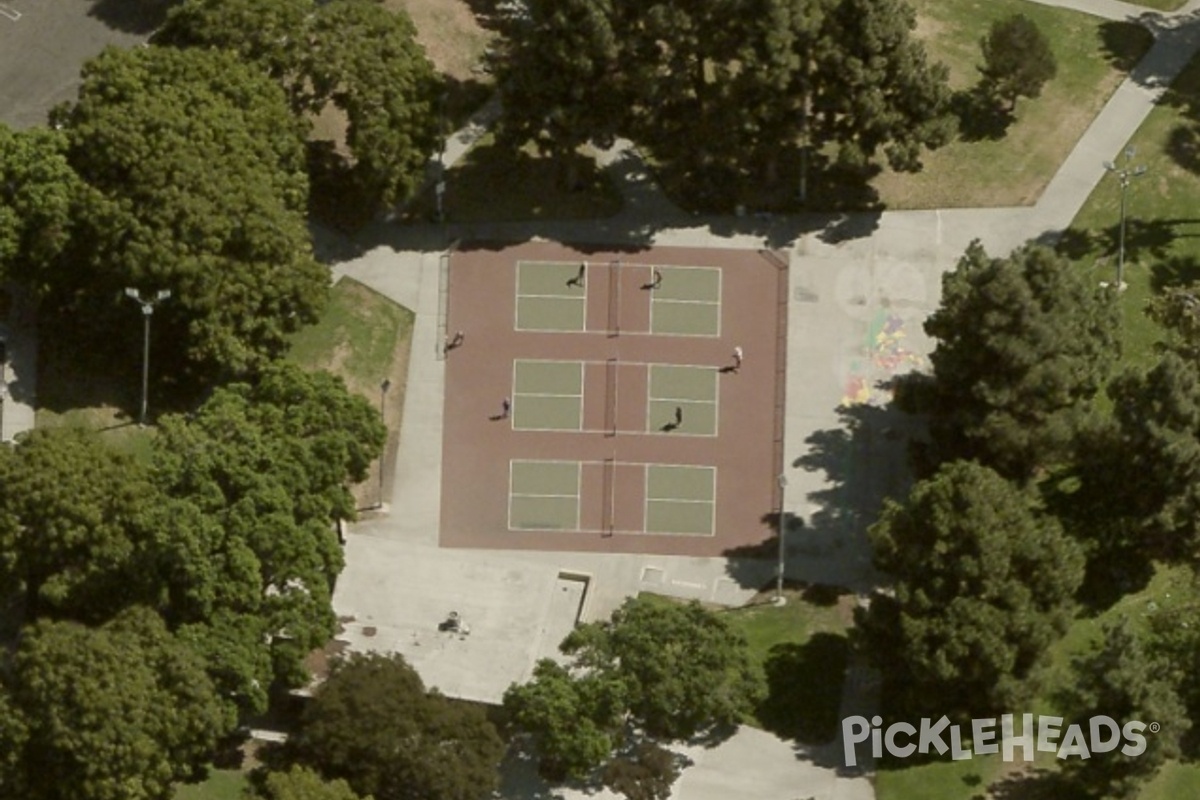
column 802, row 648
column 942, row 780
column 365, row 338
column 492, row 184
column 1162, row 245
column 1092, row 55
column 222, row 784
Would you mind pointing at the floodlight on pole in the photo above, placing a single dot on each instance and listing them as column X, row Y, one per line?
column 1125, row 175
column 147, row 306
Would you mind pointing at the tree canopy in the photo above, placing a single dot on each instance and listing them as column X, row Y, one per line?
column 117, row 712
column 355, row 55
column 983, row 584
column 373, row 724
column 685, row 670
column 71, row 524
column 196, row 183
column 656, row 670
column 264, row 467
column 1124, row 679
column 38, row 193
column 1017, row 59
column 575, row 720
column 722, row 88
column 300, row 783
column 1023, row 345
column 1158, row 415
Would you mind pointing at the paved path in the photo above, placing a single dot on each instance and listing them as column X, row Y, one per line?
column 852, row 276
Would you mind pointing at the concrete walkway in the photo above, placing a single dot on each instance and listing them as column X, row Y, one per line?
column 852, row 276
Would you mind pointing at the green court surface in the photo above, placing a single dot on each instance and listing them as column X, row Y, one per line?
column 543, row 495
column 680, row 500
column 547, row 395
column 691, row 390
column 547, row 300
column 687, row 302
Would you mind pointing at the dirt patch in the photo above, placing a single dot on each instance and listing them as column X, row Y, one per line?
column 450, row 33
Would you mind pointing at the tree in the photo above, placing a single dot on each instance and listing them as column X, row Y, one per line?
column 36, row 202
column 1158, row 414
column 71, row 525
column 196, row 183
column 685, row 670
column 299, row 783
column 1126, row 681
column 271, row 34
column 112, row 713
column 355, row 55
column 379, row 76
column 1177, row 310
column 1017, row 59
column 1023, row 345
column 645, row 774
column 557, row 78
column 575, row 721
column 983, row 585
column 875, row 88
column 373, row 725
column 265, row 466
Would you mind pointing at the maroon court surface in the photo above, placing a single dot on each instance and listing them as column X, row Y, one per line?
column 608, row 470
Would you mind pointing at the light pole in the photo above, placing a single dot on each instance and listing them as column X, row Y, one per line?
column 783, row 482
column 147, row 313
column 1125, row 175
column 383, row 390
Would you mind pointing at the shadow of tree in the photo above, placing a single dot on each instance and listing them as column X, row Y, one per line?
column 1145, row 239
column 132, row 16
column 1124, row 43
column 1183, row 146
column 1174, row 271
column 1032, row 784
column 804, row 688
column 980, row 116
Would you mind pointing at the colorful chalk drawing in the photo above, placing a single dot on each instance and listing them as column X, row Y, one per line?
column 884, row 355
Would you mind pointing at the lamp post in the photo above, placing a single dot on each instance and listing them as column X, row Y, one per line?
column 383, row 390
column 1125, row 175
column 147, row 312
column 783, row 482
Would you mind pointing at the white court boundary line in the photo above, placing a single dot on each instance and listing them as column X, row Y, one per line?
column 11, row 13
column 647, row 499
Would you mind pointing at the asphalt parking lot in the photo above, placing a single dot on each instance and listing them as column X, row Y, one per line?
column 44, row 43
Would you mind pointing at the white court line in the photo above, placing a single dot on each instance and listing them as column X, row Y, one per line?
column 11, row 13
column 545, row 394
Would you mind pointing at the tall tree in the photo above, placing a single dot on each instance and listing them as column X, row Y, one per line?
column 575, row 721
column 197, row 181
column 112, row 713
column 1177, row 310
column 355, row 55
column 983, row 585
column 559, row 79
column 1158, row 413
column 38, row 191
column 877, row 90
column 1024, row 344
column 268, row 463
column 685, row 670
column 1017, row 59
column 368, row 59
column 373, row 724
column 71, row 524
column 299, row 783
column 1125, row 680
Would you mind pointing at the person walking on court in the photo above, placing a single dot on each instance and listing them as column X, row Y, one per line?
column 579, row 276
column 657, row 280
column 456, row 341
column 737, row 359
column 505, row 407
column 678, row 416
